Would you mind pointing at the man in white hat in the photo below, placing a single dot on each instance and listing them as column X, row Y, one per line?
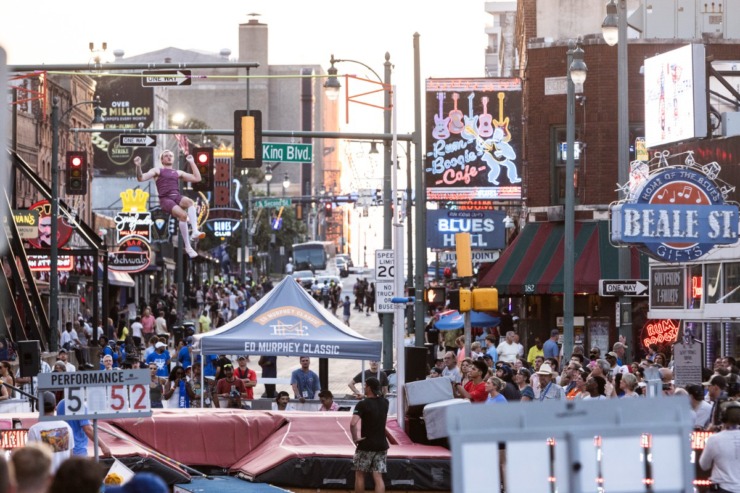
column 161, row 358
column 548, row 388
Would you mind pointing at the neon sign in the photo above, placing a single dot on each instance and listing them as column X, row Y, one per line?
column 659, row 332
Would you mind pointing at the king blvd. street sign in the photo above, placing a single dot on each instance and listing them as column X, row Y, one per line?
column 287, row 153
column 624, row 287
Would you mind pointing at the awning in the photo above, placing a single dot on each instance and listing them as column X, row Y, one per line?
column 116, row 278
column 533, row 263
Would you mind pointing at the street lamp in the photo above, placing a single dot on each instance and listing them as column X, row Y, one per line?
column 331, row 87
column 286, row 183
column 614, row 29
column 97, row 123
column 576, row 75
column 268, row 177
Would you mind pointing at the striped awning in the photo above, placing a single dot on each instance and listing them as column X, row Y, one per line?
column 116, row 278
column 533, row 263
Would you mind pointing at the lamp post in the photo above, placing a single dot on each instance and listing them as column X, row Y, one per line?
column 286, row 183
column 97, row 123
column 576, row 75
column 332, row 87
column 268, row 178
column 614, row 29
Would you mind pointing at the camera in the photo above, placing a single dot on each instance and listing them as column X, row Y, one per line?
column 234, row 394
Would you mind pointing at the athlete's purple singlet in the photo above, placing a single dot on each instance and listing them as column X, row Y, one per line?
column 168, row 187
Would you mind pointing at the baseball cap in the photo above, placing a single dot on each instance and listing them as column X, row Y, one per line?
column 160, row 344
column 618, row 345
column 50, row 402
column 61, row 350
column 142, row 482
column 554, row 332
column 373, row 384
column 612, row 354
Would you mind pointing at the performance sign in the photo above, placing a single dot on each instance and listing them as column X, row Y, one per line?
column 473, row 139
column 100, row 394
column 486, row 228
column 675, row 213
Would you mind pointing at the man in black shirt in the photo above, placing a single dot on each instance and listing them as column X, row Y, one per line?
column 372, row 446
column 372, row 372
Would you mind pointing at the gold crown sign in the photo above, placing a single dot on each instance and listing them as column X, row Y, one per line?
column 134, row 200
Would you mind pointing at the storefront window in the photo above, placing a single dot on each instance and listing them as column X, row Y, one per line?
column 712, row 342
column 731, row 291
column 712, row 285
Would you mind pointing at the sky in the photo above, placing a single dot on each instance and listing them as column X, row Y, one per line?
column 452, row 33
column 452, row 41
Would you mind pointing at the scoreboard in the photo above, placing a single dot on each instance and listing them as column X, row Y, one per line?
column 100, row 394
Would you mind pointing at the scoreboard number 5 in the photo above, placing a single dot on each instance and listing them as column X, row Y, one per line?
column 117, row 398
column 74, row 400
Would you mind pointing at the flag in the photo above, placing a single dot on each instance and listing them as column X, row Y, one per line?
column 182, row 141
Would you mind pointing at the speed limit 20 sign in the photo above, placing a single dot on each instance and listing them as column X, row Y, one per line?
column 100, row 394
column 385, row 269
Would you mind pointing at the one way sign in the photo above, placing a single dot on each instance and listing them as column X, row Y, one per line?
column 622, row 287
column 138, row 140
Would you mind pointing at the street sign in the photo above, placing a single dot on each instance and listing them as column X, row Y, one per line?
column 687, row 363
column 384, row 293
column 480, row 256
column 159, row 78
column 287, row 153
column 100, row 394
column 272, row 203
column 384, row 265
column 623, row 287
column 138, row 140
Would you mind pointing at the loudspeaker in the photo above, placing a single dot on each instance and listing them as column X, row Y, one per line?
column 416, row 363
column 29, row 358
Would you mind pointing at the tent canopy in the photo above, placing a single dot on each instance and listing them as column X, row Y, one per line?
column 456, row 320
column 287, row 321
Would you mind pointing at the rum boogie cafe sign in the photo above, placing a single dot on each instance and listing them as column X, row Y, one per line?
column 675, row 213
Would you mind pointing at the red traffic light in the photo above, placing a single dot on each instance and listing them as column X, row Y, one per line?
column 75, row 161
column 202, row 158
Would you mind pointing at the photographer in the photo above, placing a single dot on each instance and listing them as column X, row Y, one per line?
column 178, row 392
column 230, row 388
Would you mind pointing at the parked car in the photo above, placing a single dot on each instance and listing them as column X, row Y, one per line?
column 346, row 258
column 305, row 277
column 342, row 267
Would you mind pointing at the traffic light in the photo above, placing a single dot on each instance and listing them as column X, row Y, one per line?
column 204, row 161
column 485, row 299
column 328, row 206
column 299, row 212
column 76, row 173
column 454, row 297
column 247, row 139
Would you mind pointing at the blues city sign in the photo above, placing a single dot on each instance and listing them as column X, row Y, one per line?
column 675, row 213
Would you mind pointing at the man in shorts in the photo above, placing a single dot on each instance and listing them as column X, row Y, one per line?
column 167, row 181
column 372, row 446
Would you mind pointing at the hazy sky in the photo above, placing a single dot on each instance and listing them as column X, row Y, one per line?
column 452, row 33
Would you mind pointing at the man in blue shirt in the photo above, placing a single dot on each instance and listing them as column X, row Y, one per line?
column 550, row 347
column 82, row 430
column 305, row 382
column 161, row 358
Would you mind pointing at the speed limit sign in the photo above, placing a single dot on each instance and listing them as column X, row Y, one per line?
column 385, row 265
column 100, row 394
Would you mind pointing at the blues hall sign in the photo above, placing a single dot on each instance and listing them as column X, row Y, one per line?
column 675, row 213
